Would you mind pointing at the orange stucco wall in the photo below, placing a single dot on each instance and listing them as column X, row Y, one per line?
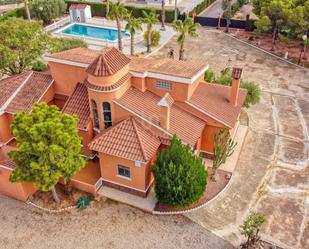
column 19, row 191
column 140, row 176
column 66, row 77
column 5, row 131
column 87, row 135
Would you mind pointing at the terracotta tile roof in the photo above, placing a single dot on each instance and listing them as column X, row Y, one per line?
column 236, row 73
column 31, row 92
column 214, row 100
column 81, row 55
column 109, row 62
column 109, row 88
column 127, row 139
column 185, row 69
column 188, row 127
column 8, row 163
column 78, row 104
column 9, row 85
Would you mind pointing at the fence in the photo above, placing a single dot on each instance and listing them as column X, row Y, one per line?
column 57, row 24
column 213, row 22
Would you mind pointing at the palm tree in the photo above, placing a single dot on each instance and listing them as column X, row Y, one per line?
column 150, row 19
column 26, row 5
column 183, row 28
column 107, row 7
column 133, row 25
column 117, row 12
column 229, row 13
column 163, row 15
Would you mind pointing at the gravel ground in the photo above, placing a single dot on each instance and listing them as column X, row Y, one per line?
column 105, row 224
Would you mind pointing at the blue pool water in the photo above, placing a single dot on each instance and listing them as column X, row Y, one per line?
column 94, row 32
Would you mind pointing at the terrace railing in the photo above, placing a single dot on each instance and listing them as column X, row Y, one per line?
column 58, row 24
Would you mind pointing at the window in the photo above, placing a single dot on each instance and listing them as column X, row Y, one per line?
column 95, row 114
column 107, row 115
column 164, row 85
column 124, row 171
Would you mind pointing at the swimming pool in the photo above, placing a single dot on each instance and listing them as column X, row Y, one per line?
column 95, row 32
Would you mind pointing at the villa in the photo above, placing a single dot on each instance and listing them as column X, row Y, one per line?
column 128, row 108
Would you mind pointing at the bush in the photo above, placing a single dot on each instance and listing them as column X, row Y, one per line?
column 180, row 176
column 209, row 76
column 61, row 44
column 46, row 10
column 19, row 12
column 155, row 37
column 253, row 95
column 39, row 66
column 200, row 7
column 84, row 201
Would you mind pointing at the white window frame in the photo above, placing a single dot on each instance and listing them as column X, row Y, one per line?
column 125, row 168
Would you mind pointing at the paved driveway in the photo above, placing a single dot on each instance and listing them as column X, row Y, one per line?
column 214, row 10
column 272, row 174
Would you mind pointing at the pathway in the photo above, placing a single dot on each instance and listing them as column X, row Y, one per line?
column 214, row 10
column 272, row 174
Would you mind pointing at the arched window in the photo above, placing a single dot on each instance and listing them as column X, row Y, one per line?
column 107, row 115
column 95, row 114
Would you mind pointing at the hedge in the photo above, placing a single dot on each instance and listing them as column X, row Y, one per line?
column 19, row 12
column 99, row 9
column 200, row 7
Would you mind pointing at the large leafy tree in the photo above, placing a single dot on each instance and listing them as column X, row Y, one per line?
column 184, row 28
column 49, row 147
column 133, row 25
column 47, row 10
column 118, row 12
column 180, row 176
column 150, row 18
column 21, row 43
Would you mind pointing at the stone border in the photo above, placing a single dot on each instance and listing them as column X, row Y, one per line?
column 265, row 51
column 51, row 211
column 195, row 208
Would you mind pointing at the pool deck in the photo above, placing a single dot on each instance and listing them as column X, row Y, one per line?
column 99, row 44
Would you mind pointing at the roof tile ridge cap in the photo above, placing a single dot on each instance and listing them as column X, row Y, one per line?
column 139, row 138
column 106, row 62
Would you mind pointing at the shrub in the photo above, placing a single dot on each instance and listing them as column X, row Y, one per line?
column 47, row 10
column 39, row 66
column 209, row 76
column 155, row 37
column 84, row 201
column 62, row 44
column 19, row 12
column 253, row 95
column 180, row 176
column 99, row 9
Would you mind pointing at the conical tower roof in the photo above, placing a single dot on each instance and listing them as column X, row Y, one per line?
column 109, row 62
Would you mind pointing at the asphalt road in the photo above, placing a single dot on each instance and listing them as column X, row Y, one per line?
column 214, row 10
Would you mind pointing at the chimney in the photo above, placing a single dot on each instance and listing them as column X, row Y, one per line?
column 165, row 111
column 236, row 74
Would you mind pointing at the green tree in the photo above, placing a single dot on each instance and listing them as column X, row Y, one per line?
column 150, row 19
column 49, row 147
column 186, row 27
column 21, row 43
column 263, row 25
column 57, row 44
column 278, row 12
column 251, row 227
column 117, row 12
column 224, row 147
column 180, row 176
column 133, row 25
column 47, row 10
